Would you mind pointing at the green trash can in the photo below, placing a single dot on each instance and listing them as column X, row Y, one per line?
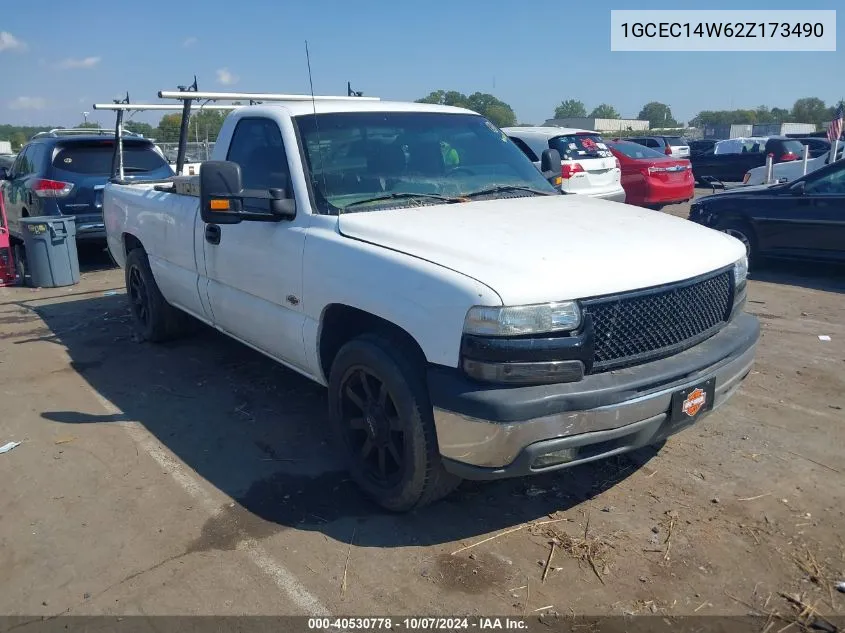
column 50, row 247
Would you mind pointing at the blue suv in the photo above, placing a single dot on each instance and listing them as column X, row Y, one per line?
column 63, row 172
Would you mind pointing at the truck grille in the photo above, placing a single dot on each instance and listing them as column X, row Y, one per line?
column 635, row 327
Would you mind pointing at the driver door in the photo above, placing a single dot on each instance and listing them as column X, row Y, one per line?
column 254, row 269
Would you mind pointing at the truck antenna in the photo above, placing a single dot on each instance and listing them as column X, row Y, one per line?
column 316, row 122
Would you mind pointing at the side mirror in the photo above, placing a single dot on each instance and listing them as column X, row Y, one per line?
column 281, row 206
column 222, row 197
column 4, row 173
column 798, row 188
column 220, row 192
column 550, row 166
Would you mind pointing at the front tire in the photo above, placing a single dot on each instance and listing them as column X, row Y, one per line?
column 155, row 320
column 383, row 422
column 743, row 233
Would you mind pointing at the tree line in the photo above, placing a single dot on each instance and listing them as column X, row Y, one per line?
column 206, row 124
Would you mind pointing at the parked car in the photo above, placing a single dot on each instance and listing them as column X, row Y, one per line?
column 652, row 179
column 800, row 219
column 63, row 173
column 442, row 299
column 731, row 166
column 669, row 145
column 588, row 167
column 790, row 170
column 818, row 146
column 701, row 145
column 6, row 161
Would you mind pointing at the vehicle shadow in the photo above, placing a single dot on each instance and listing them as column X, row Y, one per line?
column 826, row 276
column 93, row 258
column 258, row 432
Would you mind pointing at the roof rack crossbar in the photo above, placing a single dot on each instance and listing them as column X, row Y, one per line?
column 57, row 132
column 251, row 96
column 140, row 107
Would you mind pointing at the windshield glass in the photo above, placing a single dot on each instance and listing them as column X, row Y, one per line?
column 373, row 160
column 94, row 158
column 635, row 150
column 675, row 141
column 578, row 146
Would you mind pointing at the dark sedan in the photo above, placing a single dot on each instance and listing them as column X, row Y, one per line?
column 802, row 219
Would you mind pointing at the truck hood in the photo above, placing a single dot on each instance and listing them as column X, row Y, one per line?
column 532, row 250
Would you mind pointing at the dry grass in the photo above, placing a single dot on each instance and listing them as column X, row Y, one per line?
column 590, row 550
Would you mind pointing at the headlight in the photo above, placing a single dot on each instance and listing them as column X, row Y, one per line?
column 518, row 320
column 740, row 273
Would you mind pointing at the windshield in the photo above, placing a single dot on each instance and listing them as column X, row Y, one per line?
column 675, row 141
column 373, row 160
column 635, row 150
column 579, row 146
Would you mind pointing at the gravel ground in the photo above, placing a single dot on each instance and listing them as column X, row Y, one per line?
column 197, row 478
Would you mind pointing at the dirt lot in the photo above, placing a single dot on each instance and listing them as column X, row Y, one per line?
column 197, row 478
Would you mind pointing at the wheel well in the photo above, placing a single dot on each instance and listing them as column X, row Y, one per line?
column 341, row 323
column 130, row 243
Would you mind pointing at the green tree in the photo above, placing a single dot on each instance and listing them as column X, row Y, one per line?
column 604, row 111
column 780, row 115
column 809, row 110
column 168, row 128
column 658, row 115
column 206, row 124
column 18, row 140
column 145, row 129
column 831, row 111
column 485, row 104
column 90, row 125
column 571, row 109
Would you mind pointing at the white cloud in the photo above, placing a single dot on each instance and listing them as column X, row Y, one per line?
column 9, row 42
column 226, row 78
column 189, row 41
column 28, row 103
column 85, row 62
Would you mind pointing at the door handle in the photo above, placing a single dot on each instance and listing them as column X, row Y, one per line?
column 212, row 233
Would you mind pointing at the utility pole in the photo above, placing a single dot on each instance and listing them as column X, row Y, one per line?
column 85, row 116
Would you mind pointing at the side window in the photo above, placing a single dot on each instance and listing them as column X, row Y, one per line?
column 832, row 183
column 650, row 142
column 258, row 148
column 35, row 158
column 20, row 168
column 525, row 149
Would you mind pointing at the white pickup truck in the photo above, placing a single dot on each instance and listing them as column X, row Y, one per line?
column 789, row 170
column 468, row 319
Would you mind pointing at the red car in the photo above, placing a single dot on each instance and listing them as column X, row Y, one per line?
column 651, row 179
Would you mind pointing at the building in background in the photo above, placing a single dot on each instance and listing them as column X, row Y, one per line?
column 744, row 130
column 599, row 125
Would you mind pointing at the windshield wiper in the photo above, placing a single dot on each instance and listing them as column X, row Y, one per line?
column 507, row 188
column 399, row 196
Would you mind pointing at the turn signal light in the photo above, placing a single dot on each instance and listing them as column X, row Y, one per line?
column 219, row 205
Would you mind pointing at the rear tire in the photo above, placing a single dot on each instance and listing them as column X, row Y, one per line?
column 383, row 422
column 19, row 258
column 154, row 319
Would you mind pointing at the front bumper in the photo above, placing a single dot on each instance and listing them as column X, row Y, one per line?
column 496, row 432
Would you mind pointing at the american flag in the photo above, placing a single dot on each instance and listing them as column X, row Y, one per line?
column 835, row 127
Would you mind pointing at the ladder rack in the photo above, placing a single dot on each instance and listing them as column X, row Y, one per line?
column 140, row 107
column 192, row 95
